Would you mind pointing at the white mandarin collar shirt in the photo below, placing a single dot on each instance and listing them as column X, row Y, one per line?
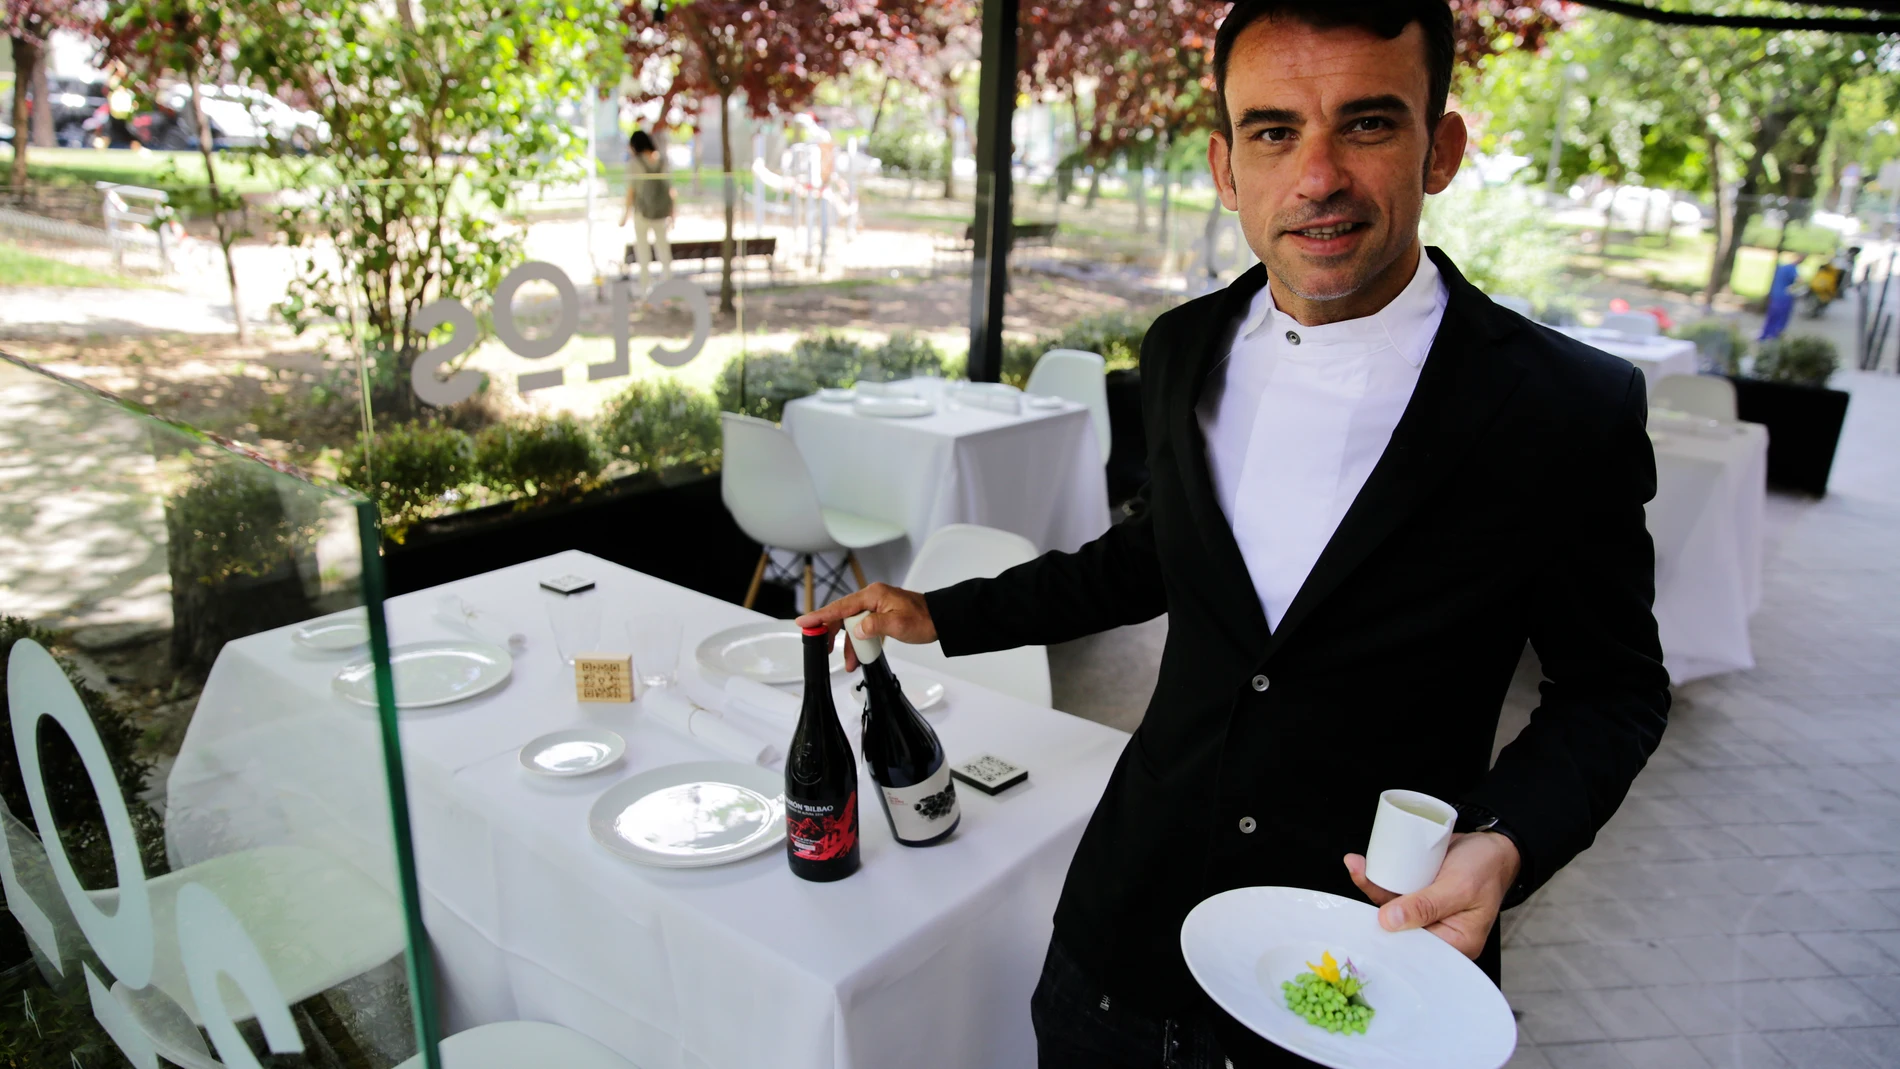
column 1295, row 418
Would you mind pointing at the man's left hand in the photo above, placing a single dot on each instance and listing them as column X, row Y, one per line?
column 1462, row 904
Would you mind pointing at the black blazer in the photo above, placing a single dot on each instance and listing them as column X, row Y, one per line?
column 1508, row 507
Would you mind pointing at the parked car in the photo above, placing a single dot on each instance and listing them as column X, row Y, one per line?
column 74, row 101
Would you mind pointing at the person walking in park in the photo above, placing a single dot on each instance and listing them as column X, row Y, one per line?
column 649, row 204
column 1781, row 297
column 1369, row 487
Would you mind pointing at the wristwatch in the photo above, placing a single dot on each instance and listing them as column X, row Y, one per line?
column 1476, row 818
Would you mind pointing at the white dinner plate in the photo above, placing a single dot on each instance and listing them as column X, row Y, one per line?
column 692, row 815
column 928, row 696
column 837, row 394
column 429, row 673
column 1431, row 1006
column 335, row 633
column 1044, row 403
column 770, row 651
column 893, row 407
column 574, row 752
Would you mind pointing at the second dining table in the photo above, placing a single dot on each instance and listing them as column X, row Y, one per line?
column 1037, row 473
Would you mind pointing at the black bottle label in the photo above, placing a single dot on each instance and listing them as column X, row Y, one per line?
column 822, row 831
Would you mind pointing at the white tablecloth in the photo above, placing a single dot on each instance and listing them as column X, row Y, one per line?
column 1038, row 474
column 924, row 958
column 1655, row 355
column 1706, row 521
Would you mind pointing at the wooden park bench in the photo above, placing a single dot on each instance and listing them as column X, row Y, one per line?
column 1020, row 234
column 708, row 251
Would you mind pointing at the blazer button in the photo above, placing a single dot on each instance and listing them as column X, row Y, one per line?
column 1260, row 682
column 1247, row 825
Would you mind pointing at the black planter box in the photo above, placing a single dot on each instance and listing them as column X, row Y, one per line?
column 1804, row 427
column 675, row 529
column 1128, row 441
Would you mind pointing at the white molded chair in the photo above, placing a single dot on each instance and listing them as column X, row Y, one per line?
column 1707, row 396
column 965, row 551
column 520, row 1044
column 769, row 491
column 1635, row 324
column 1074, row 375
column 1516, row 304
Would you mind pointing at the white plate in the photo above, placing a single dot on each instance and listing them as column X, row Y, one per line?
column 334, row 634
column 770, row 651
column 692, row 815
column 1432, row 1008
column 893, row 407
column 930, row 695
column 1044, row 402
column 574, row 752
column 836, row 394
column 429, row 673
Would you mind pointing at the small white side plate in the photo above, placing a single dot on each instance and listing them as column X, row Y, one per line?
column 770, row 651
column 893, row 407
column 1045, row 403
column 928, row 696
column 1432, row 1007
column 692, row 815
column 429, row 673
column 335, row 633
column 575, row 752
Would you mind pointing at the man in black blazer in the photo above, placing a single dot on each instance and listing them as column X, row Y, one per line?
column 1315, row 658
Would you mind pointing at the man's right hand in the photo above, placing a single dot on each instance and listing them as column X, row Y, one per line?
column 897, row 614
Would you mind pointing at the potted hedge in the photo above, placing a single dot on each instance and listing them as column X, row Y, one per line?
column 1786, row 390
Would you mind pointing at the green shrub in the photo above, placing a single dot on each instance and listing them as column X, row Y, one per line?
column 761, row 383
column 1498, row 239
column 1115, row 336
column 538, row 457
column 407, row 469
column 1720, row 341
column 1805, row 360
column 229, row 521
column 906, row 354
column 909, row 150
column 657, row 425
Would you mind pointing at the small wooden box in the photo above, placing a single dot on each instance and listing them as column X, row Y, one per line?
column 603, row 677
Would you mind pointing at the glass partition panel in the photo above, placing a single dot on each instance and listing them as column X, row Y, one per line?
column 200, row 856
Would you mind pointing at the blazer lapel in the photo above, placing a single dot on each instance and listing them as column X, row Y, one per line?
column 1190, row 447
column 1465, row 381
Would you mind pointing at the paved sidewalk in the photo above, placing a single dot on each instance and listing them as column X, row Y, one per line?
column 1743, row 908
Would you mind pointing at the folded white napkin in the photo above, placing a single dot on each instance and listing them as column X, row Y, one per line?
column 766, row 704
column 706, row 727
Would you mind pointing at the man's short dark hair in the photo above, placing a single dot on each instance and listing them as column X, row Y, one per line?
column 1387, row 18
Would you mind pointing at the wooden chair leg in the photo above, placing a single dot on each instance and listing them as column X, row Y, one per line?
column 811, row 591
column 856, row 569
column 758, row 574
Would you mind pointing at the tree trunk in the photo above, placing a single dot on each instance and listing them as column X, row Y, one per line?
column 43, row 111
column 1167, row 198
column 1714, row 145
column 950, row 144
column 1609, row 222
column 726, row 304
column 1747, row 197
column 226, row 236
column 26, row 59
column 1095, row 186
column 877, row 116
column 1138, row 180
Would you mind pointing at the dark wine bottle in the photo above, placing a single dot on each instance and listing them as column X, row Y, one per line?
column 821, row 779
column 902, row 752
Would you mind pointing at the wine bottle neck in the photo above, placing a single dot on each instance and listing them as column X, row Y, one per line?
column 817, row 659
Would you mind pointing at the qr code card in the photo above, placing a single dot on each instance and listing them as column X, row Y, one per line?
column 990, row 774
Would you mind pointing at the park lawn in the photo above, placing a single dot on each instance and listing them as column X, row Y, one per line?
column 1682, row 266
column 19, row 267
column 160, row 170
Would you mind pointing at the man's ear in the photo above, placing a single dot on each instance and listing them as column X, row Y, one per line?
column 1447, row 152
column 1220, row 163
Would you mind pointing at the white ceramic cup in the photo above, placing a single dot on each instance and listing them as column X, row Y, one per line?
column 1409, row 836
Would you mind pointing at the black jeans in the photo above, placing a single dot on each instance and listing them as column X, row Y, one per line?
column 1079, row 1026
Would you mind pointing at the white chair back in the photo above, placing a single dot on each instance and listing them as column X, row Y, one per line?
column 1708, row 396
column 1076, row 376
column 965, row 551
column 1635, row 324
column 1516, row 304
column 768, row 489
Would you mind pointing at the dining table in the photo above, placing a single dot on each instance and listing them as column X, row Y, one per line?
column 924, row 958
column 1030, row 470
column 1653, row 354
column 1707, row 522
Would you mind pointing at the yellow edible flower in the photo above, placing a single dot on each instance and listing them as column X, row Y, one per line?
column 1327, row 969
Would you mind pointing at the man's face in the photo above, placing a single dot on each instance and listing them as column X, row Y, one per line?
column 1329, row 161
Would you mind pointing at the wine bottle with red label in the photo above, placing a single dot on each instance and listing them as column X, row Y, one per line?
column 821, row 778
column 902, row 752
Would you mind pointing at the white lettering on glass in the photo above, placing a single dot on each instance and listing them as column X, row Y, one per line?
column 425, row 376
column 536, row 348
column 214, row 943
column 40, row 929
column 118, row 1023
column 36, row 688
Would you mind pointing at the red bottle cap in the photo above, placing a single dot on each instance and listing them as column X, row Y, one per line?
column 814, row 630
